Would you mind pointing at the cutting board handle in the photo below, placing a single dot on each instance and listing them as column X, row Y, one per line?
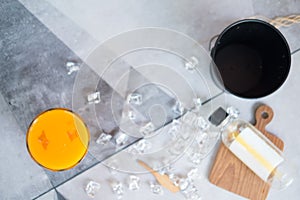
column 263, row 115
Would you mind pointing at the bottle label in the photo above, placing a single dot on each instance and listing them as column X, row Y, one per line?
column 254, row 152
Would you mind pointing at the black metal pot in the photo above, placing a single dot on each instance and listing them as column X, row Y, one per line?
column 253, row 58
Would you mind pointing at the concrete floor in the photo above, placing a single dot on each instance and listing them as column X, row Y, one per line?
column 38, row 37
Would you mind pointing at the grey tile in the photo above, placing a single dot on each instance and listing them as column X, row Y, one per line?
column 20, row 177
column 63, row 27
column 33, row 75
column 33, row 78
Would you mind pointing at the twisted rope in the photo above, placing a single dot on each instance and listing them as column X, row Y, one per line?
column 282, row 21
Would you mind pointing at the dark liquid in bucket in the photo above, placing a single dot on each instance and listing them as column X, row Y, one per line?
column 240, row 67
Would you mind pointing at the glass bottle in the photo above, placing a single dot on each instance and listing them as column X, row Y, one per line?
column 255, row 150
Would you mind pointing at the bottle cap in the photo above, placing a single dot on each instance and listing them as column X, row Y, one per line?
column 218, row 116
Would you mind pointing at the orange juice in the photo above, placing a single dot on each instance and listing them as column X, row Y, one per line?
column 57, row 139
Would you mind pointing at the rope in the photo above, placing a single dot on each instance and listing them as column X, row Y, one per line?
column 282, row 21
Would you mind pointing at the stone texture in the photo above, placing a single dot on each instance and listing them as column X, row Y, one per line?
column 20, row 177
column 33, row 76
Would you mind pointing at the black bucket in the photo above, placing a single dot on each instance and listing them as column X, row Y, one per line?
column 253, row 58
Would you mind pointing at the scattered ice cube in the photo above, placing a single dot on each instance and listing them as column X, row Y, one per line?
column 176, row 123
column 156, row 189
column 143, row 145
column 131, row 114
column 202, row 139
column 166, row 169
column 193, row 196
column 139, row 147
column 175, row 179
column 195, row 157
column 135, row 98
column 94, row 98
column 133, row 183
column 121, row 139
column 72, row 67
column 178, row 108
column 183, row 184
column 191, row 188
column 177, row 147
column 198, row 103
column 174, row 129
column 202, row 123
column 103, row 139
column 132, row 150
column 193, row 174
column 118, row 189
column 147, row 129
column 190, row 119
column 192, row 193
column 233, row 112
column 173, row 132
column 92, row 188
column 191, row 64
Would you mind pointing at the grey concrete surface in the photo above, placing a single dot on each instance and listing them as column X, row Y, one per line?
column 36, row 43
column 20, row 177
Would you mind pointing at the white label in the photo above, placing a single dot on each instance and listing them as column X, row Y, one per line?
column 254, row 152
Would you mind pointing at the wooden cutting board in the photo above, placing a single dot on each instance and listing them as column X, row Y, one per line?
column 230, row 173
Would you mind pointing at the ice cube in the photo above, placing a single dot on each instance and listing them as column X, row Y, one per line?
column 92, row 188
column 147, row 129
column 166, row 169
column 135, row 98
column 191, row 64
column 131, row 114
column 121, row 139
column 174, row 129
column 133, row 183
column 233, row 112
column 193, row 174
column 192, row 193
column 183, row 183
column 118, row 189
column 175, row 179
column 177, row 147
column 142, row 146
column 94, row 98
column 198, row 103
column 72, row 67
column 103, row 139
column 178, row 108
column 195, row 157
column 202, row 123
column 202, row 139
column 156, row 189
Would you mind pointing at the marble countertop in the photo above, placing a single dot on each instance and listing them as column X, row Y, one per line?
column 37, row 38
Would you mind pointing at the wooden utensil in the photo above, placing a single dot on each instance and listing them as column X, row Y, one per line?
column 164, row 180
column 229, row 173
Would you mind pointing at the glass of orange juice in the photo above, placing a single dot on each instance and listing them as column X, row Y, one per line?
column 57, row 139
